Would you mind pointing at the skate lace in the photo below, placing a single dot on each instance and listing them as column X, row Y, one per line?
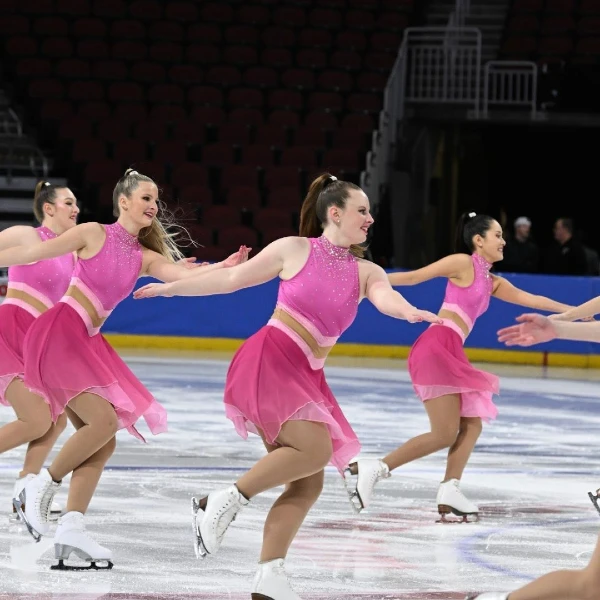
column 226, row 515
column 379, row 473
column 44, row 499
column 279, row 570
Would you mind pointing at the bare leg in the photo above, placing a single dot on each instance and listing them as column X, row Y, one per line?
column 86, row 476
column 38, row 450
column 33, row 417
column 304, row 450
column 99, row 427
column 460, row 451
column 444, row 417
column 583, row 584
column 288, row 513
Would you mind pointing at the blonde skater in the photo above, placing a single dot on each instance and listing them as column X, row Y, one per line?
column 69, row 363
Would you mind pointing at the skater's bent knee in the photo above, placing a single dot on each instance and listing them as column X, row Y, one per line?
column 444, row 439
column 320, row 453
column 39, row 427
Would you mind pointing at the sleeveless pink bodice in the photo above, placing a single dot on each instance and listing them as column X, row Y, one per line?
column 323, row 296
column 109, row 276
column 472, row 301
column 45, row 280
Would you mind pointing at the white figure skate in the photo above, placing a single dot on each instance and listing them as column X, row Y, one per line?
column 360, row 490
column 271, row 582
column 34, row 502
column 451, row 500
column 72, row 538
column 55, row 508
column 212, row 516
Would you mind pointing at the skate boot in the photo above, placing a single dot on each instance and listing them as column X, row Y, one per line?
column 451, row 500
column 370, row 472
column 271, row 582
column 595, row 498
column 34, row 502
column 212, row 516
column 72, row 538
column 489, row 596
column 55, row 509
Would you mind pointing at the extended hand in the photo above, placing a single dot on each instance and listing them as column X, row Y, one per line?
column 533, row 329
column 151, row 290
column 417, row 316
column 237, row 258
column 190, row 263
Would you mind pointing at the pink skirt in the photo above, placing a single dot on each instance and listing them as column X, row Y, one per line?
column 14, row 324
column 63, row 361
column 270, row 382
column 438, row 365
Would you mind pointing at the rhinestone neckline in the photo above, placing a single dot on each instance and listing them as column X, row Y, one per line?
column 333, row 250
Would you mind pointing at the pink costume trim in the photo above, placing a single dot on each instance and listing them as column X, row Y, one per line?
column 322, row 340
column 23, row 305
column 81, row 311
column 455, row 308
column 451, row 325
column 27, row 289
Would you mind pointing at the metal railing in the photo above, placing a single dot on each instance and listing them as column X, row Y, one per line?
column 443, row 71
column 442, row 65
column 510, row 83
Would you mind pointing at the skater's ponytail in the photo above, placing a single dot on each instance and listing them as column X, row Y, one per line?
column 325, row 191
column 164, row 233
column 469, row 225
column 45, row 193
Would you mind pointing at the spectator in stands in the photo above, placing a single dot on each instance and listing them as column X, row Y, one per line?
column 521, row 253
column 567, row 256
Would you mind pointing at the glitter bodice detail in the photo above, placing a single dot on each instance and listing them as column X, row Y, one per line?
column 326, row 290
column 111, row 274
column 49, row 277
column 472, row 301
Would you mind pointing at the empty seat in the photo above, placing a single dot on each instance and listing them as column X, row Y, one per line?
column 244, row 197
column 232, row 238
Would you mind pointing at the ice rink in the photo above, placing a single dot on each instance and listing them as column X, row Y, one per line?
column 530, row 475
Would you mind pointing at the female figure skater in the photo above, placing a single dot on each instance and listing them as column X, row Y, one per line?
column 72, row 367
column 580, row 584
column 32, row 290
column 456, row 396
column 275, row 386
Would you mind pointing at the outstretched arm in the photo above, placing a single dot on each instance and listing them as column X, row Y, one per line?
column 159, row 267
column 73, row 240
column 266, row 265
column 585, row 310
column 388, row 301
column 19, row 235
column 454, row 266
column 535, row 329
column 505, row 290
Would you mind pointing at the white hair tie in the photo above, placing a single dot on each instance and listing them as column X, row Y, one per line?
column 471, row 215
column 333, row 178
column 47, row 183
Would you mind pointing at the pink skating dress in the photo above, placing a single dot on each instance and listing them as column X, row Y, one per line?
column 65, row 353
column 277, row 374
column 437, row 362
column 32, row 289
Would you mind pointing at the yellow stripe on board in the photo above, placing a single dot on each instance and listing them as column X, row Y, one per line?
column 522, row 357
